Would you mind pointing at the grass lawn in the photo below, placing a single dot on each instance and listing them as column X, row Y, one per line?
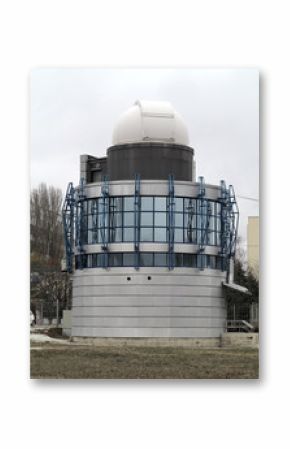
column 50, row 361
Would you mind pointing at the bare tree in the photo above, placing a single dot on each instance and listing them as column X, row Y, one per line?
column 46, row 237
column 55, row 291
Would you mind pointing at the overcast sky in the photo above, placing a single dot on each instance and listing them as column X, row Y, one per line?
column 73, row 112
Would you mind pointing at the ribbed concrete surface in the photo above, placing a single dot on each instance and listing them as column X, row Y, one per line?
column 183, row 303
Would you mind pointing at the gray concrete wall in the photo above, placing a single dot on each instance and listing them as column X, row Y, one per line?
column 185, row 303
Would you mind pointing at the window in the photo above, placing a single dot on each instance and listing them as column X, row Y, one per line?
column 160, row 259
column 129, row 259
column 115, row 260
column 196, row 221
column 160, row 219
column 178, row 235
column 128, row 219
column 160, row 235
column 116, row 235
column 146, row 218
column 128, row 234
column 178, row 204
column 187, row 260
column 146, row 203
column 178, row 220
column 95, row 258
column 128, row 203
column 146, row 234
column 146, row 259
column 160, row 204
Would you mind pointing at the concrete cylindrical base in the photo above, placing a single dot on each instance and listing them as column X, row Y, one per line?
column 148, row 303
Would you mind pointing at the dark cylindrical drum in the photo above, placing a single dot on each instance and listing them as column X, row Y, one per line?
column 150, row 161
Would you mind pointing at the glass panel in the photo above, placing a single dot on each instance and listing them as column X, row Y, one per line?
column 178, row 220
column 85, row 206
column 178, row 235
column 160, row 219
column 218, row 239
column 100, row 260
column 115, row 259
column 179, row 204
column 160, row 234
column 212, row 223
column 85, row 237
column 188, row 235
column 187, row 260
column 94, row 237
column 116, row 235
column 84, row 260
column 128, row 203
column 189, row 205
column 128, row 219
column 146, row 259
column 116, row 204
column 89, row 261
column 128, row 259
column 218, row 263
column 128, row 234
column 116, row 220
column 94, row 260
column 218, row 223
column 146, row 234
column 212, row 262
column 146, row 203
column 146, row 218
column 160, row 259
column 178, row 260
column 95, row 219
column 160, row 203
column 94, row 207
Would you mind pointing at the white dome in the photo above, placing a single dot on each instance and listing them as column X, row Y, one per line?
column 150, row 121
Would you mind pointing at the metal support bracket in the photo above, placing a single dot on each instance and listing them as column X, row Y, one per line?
column 68, row 213
column 171, row 223
column 202, row 232
column 137, row 216
column 229, row 225
column 105, row 203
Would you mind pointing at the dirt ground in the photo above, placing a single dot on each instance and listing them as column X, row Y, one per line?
column 69, row 361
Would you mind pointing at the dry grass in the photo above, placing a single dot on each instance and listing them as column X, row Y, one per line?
column 94, row 362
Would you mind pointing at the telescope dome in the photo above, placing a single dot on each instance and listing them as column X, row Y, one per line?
column 150, row 121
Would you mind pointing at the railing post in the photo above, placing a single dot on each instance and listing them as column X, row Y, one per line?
column 68, row 215
column 171, row 210
column 105, row 221
column 137, row 207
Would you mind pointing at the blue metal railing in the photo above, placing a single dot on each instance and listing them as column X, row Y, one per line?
column 68, row 210
column 229, row 224
column 80, row 225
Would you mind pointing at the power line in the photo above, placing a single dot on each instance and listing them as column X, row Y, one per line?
column 248, row 198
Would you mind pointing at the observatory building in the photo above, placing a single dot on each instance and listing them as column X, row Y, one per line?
column 148, row 246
